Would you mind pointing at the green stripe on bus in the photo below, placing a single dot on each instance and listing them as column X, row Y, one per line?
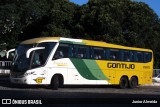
column 95, row 69
column 83, row 69
column 89, row 69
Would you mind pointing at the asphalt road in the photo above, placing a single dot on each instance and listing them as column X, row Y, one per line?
column 91, row 94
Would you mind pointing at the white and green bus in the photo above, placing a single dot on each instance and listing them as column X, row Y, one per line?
column 58, row 61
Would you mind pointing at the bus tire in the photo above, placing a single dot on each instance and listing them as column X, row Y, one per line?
column 55, row 82
column 123, row 83
column 133, row 82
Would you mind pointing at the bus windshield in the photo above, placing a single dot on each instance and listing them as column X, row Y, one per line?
column 36, row 59
column 39, row 57
column 20, row 62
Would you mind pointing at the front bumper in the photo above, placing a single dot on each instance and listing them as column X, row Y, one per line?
column 19, row 80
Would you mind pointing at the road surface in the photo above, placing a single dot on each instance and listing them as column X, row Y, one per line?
column 78, row 94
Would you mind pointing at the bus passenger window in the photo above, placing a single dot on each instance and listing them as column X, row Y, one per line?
column 62, row 51
column 132, row 53
column 114, row 54
column 126, row 56
column 82, row 52
column 73, row 51
column 147, row 57
column 38, row 59
column 98, row 53
column 59, row 54
column 139, row 56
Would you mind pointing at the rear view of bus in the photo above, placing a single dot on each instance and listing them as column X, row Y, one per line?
column 57, row 61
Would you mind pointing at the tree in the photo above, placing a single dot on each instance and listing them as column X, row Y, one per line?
column 9, row 24
column 61, row 18
column 123, row 22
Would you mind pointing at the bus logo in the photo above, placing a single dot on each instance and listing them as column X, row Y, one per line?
column 121, row 65
column 39, row 80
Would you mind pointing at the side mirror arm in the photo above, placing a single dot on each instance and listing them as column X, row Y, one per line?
column 11, row 50
column 33, row 49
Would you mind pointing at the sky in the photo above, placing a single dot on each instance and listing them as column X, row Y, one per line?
column 153, row 4
column 80, row 2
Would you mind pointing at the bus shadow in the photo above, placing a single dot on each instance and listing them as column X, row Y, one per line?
column 91, row 86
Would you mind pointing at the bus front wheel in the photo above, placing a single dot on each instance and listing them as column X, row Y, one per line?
column 123, row 83
column 133, row 82
column 55, row 83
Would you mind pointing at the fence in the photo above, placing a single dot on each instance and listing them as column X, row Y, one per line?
column 5, row 67
column 156, row 72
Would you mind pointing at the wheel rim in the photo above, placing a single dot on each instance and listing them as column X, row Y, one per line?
column 133, row 82
column 55, row 82
column 124, row 83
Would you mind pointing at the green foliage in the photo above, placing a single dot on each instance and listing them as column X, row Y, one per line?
column 121, row 22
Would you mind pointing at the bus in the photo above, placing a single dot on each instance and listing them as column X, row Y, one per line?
column 58, row 61
column 6, row 58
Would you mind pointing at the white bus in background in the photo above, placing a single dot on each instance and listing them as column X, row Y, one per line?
column 6, row 61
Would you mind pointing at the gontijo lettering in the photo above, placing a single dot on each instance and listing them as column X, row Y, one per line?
column 121, row 65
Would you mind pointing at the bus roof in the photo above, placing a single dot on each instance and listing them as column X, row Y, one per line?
column 81, row 42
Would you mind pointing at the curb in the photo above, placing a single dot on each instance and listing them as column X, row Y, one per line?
column 153, row 84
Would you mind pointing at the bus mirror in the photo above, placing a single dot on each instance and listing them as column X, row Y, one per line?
column 9, row 51
column 33, row 49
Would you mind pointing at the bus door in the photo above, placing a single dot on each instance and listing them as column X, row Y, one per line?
column 39, row 71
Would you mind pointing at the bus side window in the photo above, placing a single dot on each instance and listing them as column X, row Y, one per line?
column 98, row 53
column 131, row 56
column 38, row 58
column 126, row 56
column 62, row 51
column 139, row 56
column 82, row 52
column 107, row 53
column 147, row 56
column 114, row 54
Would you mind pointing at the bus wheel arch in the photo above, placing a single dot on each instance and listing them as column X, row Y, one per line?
column 133, row 82
column 57, row 81
column 124, row 83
